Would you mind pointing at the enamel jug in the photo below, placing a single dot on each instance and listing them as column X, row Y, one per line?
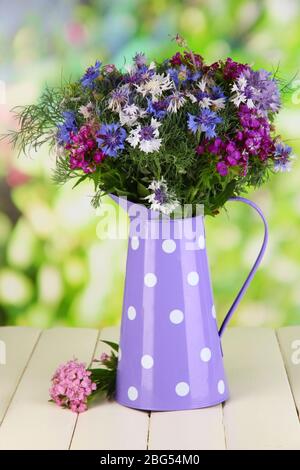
column 170, row 355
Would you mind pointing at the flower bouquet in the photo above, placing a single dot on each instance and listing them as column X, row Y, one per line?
column 163, row 135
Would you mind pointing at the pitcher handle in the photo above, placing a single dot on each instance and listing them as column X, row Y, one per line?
column 254, row 267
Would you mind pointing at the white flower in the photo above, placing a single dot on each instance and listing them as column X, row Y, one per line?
column 202, row 84
column 176, row 101
column 191, row 97
column 155, row 86
column 241, row 93
column 219, row 103
column 161, row 198
column 146, row 137
column 205, row 102
column 87, row 110
column 118, row 98
column 130, row 114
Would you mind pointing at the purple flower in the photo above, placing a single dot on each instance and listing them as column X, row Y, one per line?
column 65, row 129
column 158, row 109
column 111, row 138
column 140, row 59
column 205, row 122
column 88, row 79
column 222, row 168
column 257, row 90
column 182, row 75
column 282, row 157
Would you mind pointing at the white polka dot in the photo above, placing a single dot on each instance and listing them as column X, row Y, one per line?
column 150, row 280
column 147, row 361
column 169, row 246
column 221, row 387
column 132, row 393
column 119, row 354
column 176, row 316
column 205, row 354
column 193, row 278
column 131, row 313
column 182, row 389
column 213, row 311
column 201, row 242
column 135, row 243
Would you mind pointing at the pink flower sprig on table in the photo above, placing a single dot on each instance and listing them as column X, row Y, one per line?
column 73, row 385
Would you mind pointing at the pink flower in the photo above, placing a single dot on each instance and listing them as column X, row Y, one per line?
column 71, row 386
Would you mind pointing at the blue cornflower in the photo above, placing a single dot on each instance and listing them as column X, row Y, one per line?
column 205, row 122
column 158, row 109
column 183, row 75
column 282, row 157
column 68, row 126
column 88, row 79
column 110, row 138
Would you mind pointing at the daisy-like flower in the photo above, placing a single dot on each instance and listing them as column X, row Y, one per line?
column 282, row 158
column 217, row 97
column 130, row 114
column 88, row 79
column 155, row 86
column 161, row 199
column 118, row 98
column 87, row 110
column 256, row 90
column 146, row 137
column 242, row 94
column 176, row 101
column 140, row 59
column 205, row 122
column 110, row 138
column 158, row 109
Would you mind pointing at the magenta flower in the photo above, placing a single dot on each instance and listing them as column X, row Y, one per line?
column 222, row 168
column 84, row 152
column 71, row 386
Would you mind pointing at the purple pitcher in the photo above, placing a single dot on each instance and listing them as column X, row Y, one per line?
column 170, row 350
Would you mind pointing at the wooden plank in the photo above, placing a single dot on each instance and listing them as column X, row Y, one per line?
column 16, row 345
column 289, row 342
column 31, row 421
column 260, row 413
column 187, row 430
column 108, row 425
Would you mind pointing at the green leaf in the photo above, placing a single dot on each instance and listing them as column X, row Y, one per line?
column 114, row 346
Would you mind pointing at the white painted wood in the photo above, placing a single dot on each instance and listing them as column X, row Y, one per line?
column 187, row 430
column 260, row 413
column 16, row 346
column 108, row 425
column 289, row 342
column 31, row 422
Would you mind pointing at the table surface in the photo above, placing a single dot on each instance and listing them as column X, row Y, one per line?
column 263, row 370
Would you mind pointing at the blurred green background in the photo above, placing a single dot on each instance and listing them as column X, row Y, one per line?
column 53, row 267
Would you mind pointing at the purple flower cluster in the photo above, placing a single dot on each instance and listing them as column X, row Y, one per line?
column 253, row 138
column 83, row 150
column 71, row 386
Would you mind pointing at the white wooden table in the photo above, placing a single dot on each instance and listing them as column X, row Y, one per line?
column 262, row 413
